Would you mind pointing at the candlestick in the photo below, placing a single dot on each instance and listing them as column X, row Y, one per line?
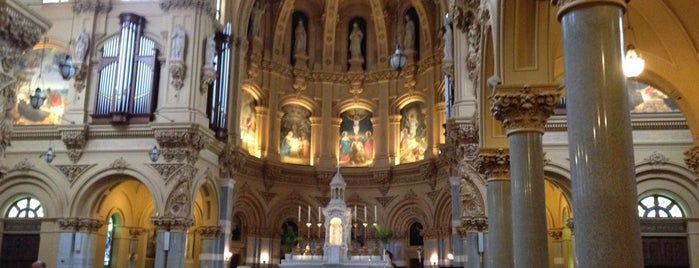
column 299, row 217
column 355, row 212
column 318, row 214
column 364, row 212
column 309, row 213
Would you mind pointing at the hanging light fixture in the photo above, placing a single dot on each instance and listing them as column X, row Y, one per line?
column 154, row 154
column 632, row 63
column 66, row 68
column 398, row 59
column 48, row 156
column 37, row 100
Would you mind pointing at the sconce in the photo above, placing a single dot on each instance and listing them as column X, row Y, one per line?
column 48, row 155
column 398, row 59
column 228, row 255
column 154, row 154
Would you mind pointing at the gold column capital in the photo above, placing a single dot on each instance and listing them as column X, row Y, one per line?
column 567, row 5
column 524, row 107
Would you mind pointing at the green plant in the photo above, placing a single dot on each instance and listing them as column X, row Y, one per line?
column 383, row 234
column 290, row 237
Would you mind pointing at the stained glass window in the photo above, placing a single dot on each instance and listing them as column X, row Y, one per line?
column 658, row 206
column 108, row 243
column 26, row 207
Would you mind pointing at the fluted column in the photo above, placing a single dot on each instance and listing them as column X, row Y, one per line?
column 523, row 111
column 172, row 237
column 495, row 165
column 599, row 135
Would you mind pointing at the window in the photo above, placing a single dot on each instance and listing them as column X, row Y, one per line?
column 109, row 242
column 658, row 206
column 217, row 103
column 416, row 234
column 128, row 71
column 26, row 207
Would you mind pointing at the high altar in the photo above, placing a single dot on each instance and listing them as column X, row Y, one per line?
column 338, row 224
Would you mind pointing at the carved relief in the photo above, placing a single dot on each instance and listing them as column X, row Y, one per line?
column 177, row 74
column 383, row 179
column 524, row 108
column 72, row 172
column 556, row 234
column 204, row 5
column 471, row 200
column 165, row 170
column 179, row 202
column 80, row 224
column 75, row 143
column 209, row 232
column 657, row 159
column 98, row 6
column 691, row 158
column 231, row 161
column 472, row 224
column 24, row 165
column 267, row 196
column 460, row 149
column 494, row 163
column 385, row 200
column 120, row 164
column 179, row 224
column 180, row 144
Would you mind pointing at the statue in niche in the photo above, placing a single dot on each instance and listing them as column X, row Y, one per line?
column 409, row 38
column 256, row 19
column 300, row 44
column 210, row 51
column 81, row 46
column 178, row 40
column 356, row 37
column 447, row 38
column 335, row 232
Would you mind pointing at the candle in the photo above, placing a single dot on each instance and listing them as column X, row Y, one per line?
column 355, row 212
column 364, row 212
column 309, row 213
column 375, row 220
column 318, row 214
column 299, row 217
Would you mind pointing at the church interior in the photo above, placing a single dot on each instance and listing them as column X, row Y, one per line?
column 349, row 133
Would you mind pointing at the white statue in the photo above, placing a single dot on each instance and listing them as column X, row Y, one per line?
column 448, row 40
column 409, row 38
column 81, row 45
column 300, row 44
column 256, row 19
column 178, row 40
column 210, row 51
column 356, row 41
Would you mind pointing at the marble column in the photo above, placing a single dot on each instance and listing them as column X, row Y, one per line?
column 556, row 235
column 523, row 111
column 225, row 219
column 77, row 242
column 457, row 250
column 133, row 259
column 209, row 253
column 470, row 231
column 172, row 237
column 495, row 165
column 599, row 135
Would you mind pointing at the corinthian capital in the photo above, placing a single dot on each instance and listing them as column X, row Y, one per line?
column 691, row 158
column 524, row 108
column 494, row 163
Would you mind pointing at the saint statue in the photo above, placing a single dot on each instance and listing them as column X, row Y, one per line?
column 356, row 37
column 210, row 51
column 81, row 46
column 447, row 38
column 178, row 40
column 409, row 38
column 256, row 19
column 300, row 44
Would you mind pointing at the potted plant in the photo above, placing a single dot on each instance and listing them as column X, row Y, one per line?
column 383, row 235
column 289, row 238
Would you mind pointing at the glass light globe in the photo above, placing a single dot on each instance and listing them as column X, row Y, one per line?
column 633, row 64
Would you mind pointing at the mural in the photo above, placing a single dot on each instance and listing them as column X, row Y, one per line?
column 248, row 124
column 294, row 146
column 645, row 98
column 413, row 143
column 39, row 68
column 356, row 138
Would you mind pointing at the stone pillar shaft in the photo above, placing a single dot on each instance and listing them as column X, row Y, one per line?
column 172, row 237
column 495, row 164
column 599, row 134
column 455, row 182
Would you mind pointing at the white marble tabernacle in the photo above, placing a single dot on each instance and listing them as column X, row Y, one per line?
column 338, row 224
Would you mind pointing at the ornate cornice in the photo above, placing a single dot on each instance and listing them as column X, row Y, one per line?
column 210, row 232
column 177, row 224
column 494, row 163
column 97, row 6
column 20, row 28
column 136, row 231
column 181, row 144
column 165, row 170
column 80, row 224
column 75, row 140
column 524, row 108
column 691, row 158
column 231, row 161
column 473, row 224
column 204, row 5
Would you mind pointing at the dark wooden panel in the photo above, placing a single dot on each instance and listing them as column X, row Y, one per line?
column 665, row 252
column 19, row 250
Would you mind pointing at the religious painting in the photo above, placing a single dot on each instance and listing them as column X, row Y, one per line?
column 39, row 69
column 413, row 132
column 248, row 124
column 295, row 135
column 356, row 138
column 644, row 98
